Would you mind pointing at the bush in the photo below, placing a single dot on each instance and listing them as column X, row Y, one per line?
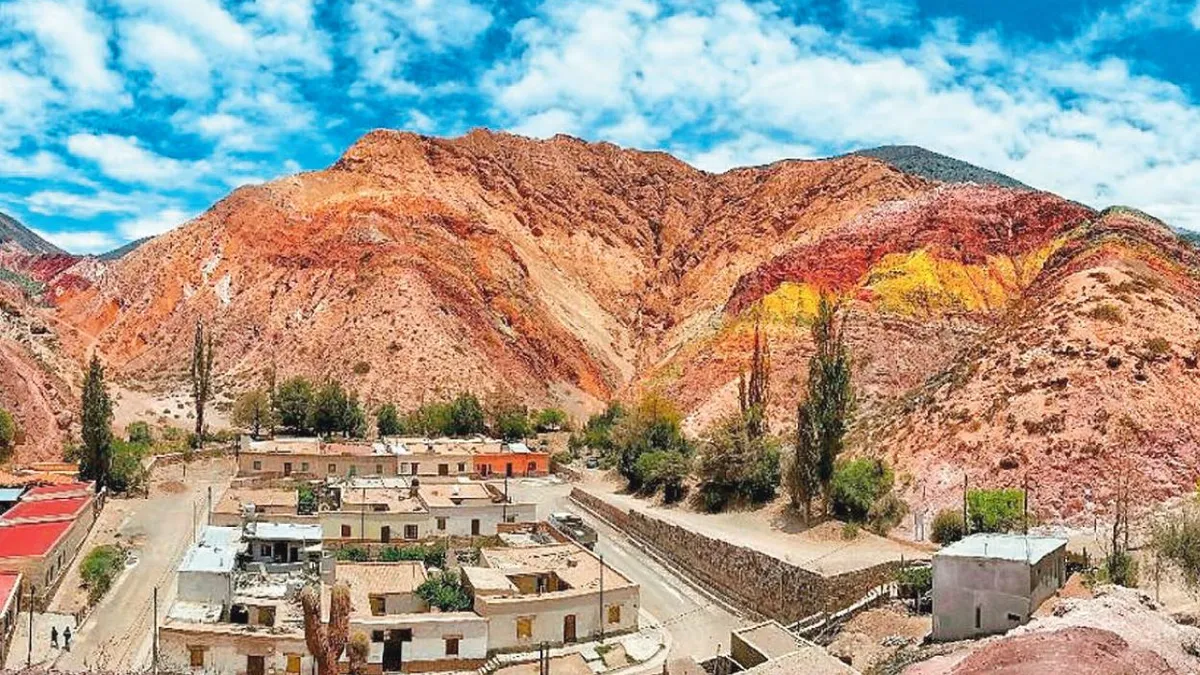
column 361, row 368
column 1106, row 312
column 561, row 458
column 445, row 591
column 126, row 472
column 666, row 469
column 306, row 500
column 1120, row 568
column 857, row 484
column 736, row 465
column 849, row 531
column 1177, row 539
column 995, row 510
column 139, row 433
column 100, row 569
column 550, row 419
column 915, row 581
column 8, row 435
column 433, row 555
column 886, row 513
column 353, row 554
column 651, row 426
column 1158, row 346
column 948, row 527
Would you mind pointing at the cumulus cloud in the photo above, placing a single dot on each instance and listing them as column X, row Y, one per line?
column 125, row 159
column 78, row 205
column 74, row 47
column 80, row 241
column 153, row 224
column 177, row 64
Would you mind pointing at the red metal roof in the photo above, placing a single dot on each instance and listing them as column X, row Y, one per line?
column 8, row 588
column 30, row 539
column 57, row 489
column 46, row 508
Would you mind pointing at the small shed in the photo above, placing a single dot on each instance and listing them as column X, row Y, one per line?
column 989, row 583
column 283, row 542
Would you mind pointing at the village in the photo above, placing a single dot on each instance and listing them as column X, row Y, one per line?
column 461, row 555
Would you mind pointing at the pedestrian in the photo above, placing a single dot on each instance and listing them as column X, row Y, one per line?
column 54, row 636
column 67, row 638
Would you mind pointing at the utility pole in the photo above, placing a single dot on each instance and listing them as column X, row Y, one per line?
column 154, row 639
column 210, row 508
column 966, row 523
column 602, row 617
column 29, row 656
column 362, row 520
column 1025, row 504
column 504, row 509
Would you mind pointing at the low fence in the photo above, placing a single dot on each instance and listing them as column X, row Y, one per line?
column 758, row 583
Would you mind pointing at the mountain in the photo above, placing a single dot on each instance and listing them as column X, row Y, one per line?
column 13, row 232
column 573, row 272
column 122, row 251
column 921, row 162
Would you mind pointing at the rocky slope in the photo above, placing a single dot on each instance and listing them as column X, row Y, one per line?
column 572, row 272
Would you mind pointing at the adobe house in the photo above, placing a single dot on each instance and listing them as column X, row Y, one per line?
column 989, row 583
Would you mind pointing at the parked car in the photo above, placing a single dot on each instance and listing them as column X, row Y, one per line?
column 574, row 527
column 592, row 463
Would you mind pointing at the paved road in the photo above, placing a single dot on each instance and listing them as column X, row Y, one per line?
column 698, row 626
column 115, row 636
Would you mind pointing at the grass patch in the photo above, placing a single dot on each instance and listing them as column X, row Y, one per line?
column 1106, row 312
column 100, row 569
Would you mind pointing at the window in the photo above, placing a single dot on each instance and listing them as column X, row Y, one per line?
column 345, row 532
column 410, row 531
column 614, row 614
column 257, row 467
column 415, row 467
column 265, row 549
column 266, row 616
column 978, row 618
column 333, row 468
column 1014, row 617
column 378, row 469
column 377, row 605
column 304, row 467
column 524, row 627
column 353, row 471
column 452, row 645
column 443, row 469
column 196, row 657
column 485, row 470
column 441, row 523
column 376, row 636
column 462, row 467
column 293, row 663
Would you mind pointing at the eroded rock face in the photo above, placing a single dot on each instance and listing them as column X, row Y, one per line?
column 572, row 273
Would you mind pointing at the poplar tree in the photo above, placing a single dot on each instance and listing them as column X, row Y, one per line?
column 753, row 391
column 201, row 376
column 96, row 455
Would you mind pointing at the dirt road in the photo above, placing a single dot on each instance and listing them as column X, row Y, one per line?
column 115, row 636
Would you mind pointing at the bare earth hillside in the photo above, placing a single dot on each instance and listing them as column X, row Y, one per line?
column 996, row 330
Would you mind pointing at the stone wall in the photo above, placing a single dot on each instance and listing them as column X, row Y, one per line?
column 755, row 582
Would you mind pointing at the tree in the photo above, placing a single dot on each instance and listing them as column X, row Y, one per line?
column 828, row 405
column 293, row 401
column 201, row 376
column 252, row 411
column 329, row 409
column 387, row 420
column 857, row 484
column 508, row 418
column 948, row 527
column 126, row 472
column 95, row 458
column 326, row 641
column 550, row 419
column 734, row 464
column 8, row 435
column 995, row 510
column 597, row 432
column 445, row 591
column 664, row 468
column 139, row 433
column 272, row 393
column 801, row 478
column 653, row 425
column 753, row 392
column 466, row 416
column 354, row 418
column 1176, row 538
column 358, row 649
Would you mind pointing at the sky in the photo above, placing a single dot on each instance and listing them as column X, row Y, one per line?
column 121, row 119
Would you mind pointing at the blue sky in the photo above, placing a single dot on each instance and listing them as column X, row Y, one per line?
column 124, row 118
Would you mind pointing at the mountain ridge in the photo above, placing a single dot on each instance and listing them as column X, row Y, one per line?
column 14, row 232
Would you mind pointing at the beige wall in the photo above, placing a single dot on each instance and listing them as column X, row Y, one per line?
column 429, row 632
column 226, row 653
column 429, row 464
column 252, row 463
column 332, row 522
column 549, row 612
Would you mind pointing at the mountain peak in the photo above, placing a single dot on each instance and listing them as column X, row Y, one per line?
column 11, row 230
column 918, row 161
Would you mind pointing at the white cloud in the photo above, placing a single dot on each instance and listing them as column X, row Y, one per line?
column 76, row 205
column 207, row 20
column 153, row 224
column 548, row 123
column 74, row 48
column 1195, row 17
column 386, row 34
column 749, row 149
column 124, row 158
column 178, row 65
column 880, row 13
column 81, row 241
column 40, row 164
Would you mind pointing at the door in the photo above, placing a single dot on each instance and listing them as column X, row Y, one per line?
column 508, row 469
column 287, row 468
column 569, row 628
column 255, row 665
column 280, row 554
column 393, row 649
column 475, row 527
column 385, row 533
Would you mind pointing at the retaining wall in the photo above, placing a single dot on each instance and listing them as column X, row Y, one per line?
column 755, row 582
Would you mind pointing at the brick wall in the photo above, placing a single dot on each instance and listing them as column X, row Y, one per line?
column 757, row 583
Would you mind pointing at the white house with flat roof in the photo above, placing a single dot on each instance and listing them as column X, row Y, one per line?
column 990, row 583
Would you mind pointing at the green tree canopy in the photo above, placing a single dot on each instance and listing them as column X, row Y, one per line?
column 252, row 411
column 736, row 464
column 652, row 425
column 8, row 435
column 293, row 400
column 550, row 419
column 466, row 416
column 96, row 454
column 387, row 420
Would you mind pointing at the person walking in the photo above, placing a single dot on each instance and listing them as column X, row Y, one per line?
column 67, row 638
column 54, row 636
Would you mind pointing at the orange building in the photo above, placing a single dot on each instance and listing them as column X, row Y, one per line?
column 512, row 459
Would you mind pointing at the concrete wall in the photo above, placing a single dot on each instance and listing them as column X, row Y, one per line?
column 458, row 518
column 755, row 582
column 1005, row 592
column 332, row 522
column 548, row 612
column 429, row 632
column 319, row 465
column 206, row 587
column 225, row 653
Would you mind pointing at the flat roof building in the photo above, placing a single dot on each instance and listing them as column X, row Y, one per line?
column 41, row 534
column 989, row 583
